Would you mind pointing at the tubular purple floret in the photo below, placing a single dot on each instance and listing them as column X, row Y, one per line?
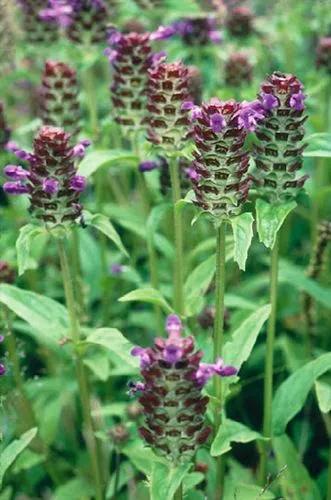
column 171, row 397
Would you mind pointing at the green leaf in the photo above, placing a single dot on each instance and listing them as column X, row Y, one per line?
column 114, row 340
column 295, row 481
column 24, row 242
column 165, row 480
column 46, row 316
column 291, row 395
column 237, row 350
column 242, row 491
column 98, row 363
column 98, row 159
column 141, row 457
column 75, row 489
column 270, row 218
column 11, row 452
column 156, row 215
column 319, row 146
column 323, row 393
column 242, row 227
column 196, row 285
column 232, row 431
column 149, row 295
column 26, row 460
column 103, row 224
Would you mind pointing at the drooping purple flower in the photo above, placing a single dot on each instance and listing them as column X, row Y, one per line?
column 171, row 397
column 2, row 369
column 147, row 166
column 297, row 101
column 78, row 183
column 116, row 269
column 15, row 188
column 50, row 186
column 16, row 172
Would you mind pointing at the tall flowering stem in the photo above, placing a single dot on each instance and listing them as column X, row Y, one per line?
column 168, row 121
column 221, row 184
column 171, row 393
column 278, row 160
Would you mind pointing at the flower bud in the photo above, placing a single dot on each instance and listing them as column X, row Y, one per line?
column 174, row 407
column 59, row 93
column 278, row 156
column 168, row 119
column 198, row 31
column 221, row 183
column 239, row 21
column 51, row 182
column 134, row 410
column 238, row 70
column 4, row 130
column 36, row 29
column 323, row 54
column 119, row 434
column 7, row 273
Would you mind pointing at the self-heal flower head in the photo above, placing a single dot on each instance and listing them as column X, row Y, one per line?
column 36, row 28
column 4, row 130
column 238, row 69
column 171, row 397
column 130, row 56
column 278, row 156
column 222, row 182
column 87, row 22
column 198, row 31
column 239, row 21
column 59, row 97
column 51, row 182
column 168, row 119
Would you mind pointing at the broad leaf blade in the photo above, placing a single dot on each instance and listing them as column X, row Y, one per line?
column 291, row 395
column 103, row 224
column 270, row 218
column 99, row 159
column 149, row 295
column 114, row 340
column 232, row 431
column 24, row 243
column 323, row 393
column 242, row 235
column 9, row 454
column 165, row 480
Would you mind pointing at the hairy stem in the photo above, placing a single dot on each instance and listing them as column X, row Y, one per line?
column 84, row 392
column 269, row 360
column 218, row 343
column 178, row 230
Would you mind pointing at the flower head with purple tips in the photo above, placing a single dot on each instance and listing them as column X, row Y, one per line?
column 171, row 392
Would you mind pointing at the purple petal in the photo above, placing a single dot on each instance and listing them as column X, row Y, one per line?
column 269, row 101
column 172, row 353
column 217, row 122
column 173, row 325
column 2, row 369
column 78, row 183
column 50, row 186
column 147, row 166
column 16, row 172
column 163, row 33
column 15, row 188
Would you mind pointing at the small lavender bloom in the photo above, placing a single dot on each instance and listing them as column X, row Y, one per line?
column 206, row 371
column 15, row 188
column 174, row 325
column 78, row 183
column 116, row 269
column 250, row 115
column 50, row 186
column 135, row 387
column 58, row 11
column 172, row 354
column 79, row 150
column 163, row 33
column 145, row 359
column 269, row 101
column 297, row 101
column 21, row 154
column 16, row 172
column 192, row 174
column 2, row 338
column 2, row 369
column 147, row 166
column 217, row 122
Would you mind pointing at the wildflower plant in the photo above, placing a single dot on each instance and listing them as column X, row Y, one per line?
column 36, row 29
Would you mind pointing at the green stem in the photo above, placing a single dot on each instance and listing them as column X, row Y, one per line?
column 218, row 343
column 269, row 360
column 178, row 230
column 179, row 493
column 91, row 101
column 84, row 392
column 117, row 473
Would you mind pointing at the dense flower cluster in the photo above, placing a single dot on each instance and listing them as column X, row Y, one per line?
column 37, row 29
column 238, row 69
column 168, row 120
column 130, row 56
column 197, row 31
column 59, row 93
column 239, row 21
column 221, row 181
column 174, row 407
column 4, row 130
column 51, row 182
column 323, row 54
column 278, row 156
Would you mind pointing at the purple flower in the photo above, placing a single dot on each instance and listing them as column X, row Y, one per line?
column 163, row 33
column 78, row 183
column 50, row 186
column 172, row 353
column 2, row 369
column 58, row 11
column 16, row 172
column 145, row 359
column 116, row 269
column 79, row 150
column 20, row 153
column 135, row 387
column 249, row 115
column 192, row 174
column 147, row 166
column 174, row 325
column 217, row 122
column 269, row 101
column 15, row 188
column 2, row 338
column 297, row 101
column 206, row 371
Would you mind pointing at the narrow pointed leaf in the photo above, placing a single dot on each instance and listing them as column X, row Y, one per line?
column 242, row 227
column 11, row 452
column 270, row 218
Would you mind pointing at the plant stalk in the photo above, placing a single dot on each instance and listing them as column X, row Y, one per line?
column 84, row 392
column 218, row 344
column 269, row 360
column 178, row 233
column 179, row 493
